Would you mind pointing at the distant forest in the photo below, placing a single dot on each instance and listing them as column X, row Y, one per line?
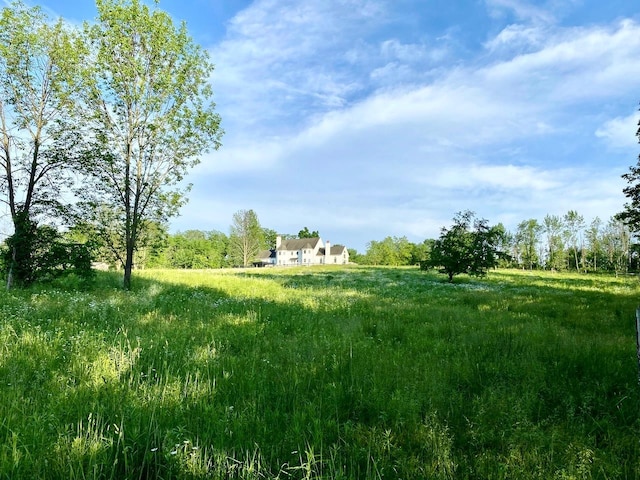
column 557, row 242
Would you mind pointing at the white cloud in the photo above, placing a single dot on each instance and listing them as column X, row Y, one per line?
column 499, row 177
column 498, row 103
column 281, row 55
column 522, row 9
column 244, row 157
column 620, row 132
column 381, row 149
column 517, row 38
column 577, row 64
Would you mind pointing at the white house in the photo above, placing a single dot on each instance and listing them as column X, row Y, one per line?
column 303, row 251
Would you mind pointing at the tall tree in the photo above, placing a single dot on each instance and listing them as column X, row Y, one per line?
column 616, row 240
column 552, row 226
column 574, row 223
column 503, row 241
column 38, row 59
column 528, row 237
column 630, row 216
column 421, row 252
column 390, row 251
column 594, row 242
column 246, row 237
column 151, row 116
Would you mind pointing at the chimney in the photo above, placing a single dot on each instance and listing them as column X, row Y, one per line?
column 327, row 252
column 278, row 241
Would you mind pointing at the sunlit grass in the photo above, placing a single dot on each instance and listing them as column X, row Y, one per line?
column 321, row 373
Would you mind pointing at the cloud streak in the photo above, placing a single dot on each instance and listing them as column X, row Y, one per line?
column 335, row 123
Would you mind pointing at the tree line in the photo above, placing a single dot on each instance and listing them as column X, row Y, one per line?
column 193, row 249
column 470, row 245
column 557, row 242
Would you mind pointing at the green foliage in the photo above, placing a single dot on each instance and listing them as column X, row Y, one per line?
column 553, row 227
column 34, row 253
column 469, row 246
column 526, row 240
column 193, row 249
column 246, row 238
column 318, row 373
column 151, row 114
column 616, row 244
column 421, row 252
column 355, row 257
column 39, row 59
column 305, row 233
column 396, row 251
column 574, row 224
column 630, row 216
column 269, row 235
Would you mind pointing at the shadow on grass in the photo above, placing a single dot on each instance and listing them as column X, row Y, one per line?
column 405, row 376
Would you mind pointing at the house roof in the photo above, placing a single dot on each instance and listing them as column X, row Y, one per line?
column 299, row 244
column 335, row 250
column 264, row 254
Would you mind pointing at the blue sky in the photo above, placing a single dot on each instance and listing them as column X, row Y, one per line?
column 368, row 118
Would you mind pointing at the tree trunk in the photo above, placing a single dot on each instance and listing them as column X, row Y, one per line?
column 128, row 266
column 128, row 225
column 11, row 266
column 20, row 268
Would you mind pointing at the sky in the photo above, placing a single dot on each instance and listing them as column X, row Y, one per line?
column 364, row 119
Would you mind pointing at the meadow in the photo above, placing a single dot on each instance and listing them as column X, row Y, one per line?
column 308, row 373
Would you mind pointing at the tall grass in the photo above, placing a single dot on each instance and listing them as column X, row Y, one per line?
column 321, row 373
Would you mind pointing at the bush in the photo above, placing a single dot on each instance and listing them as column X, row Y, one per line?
column 37, row 253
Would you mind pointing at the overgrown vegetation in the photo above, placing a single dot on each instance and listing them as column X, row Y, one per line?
column 39, row 253
column 321, row 373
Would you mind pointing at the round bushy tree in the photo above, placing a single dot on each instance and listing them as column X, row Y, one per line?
column 468, row 246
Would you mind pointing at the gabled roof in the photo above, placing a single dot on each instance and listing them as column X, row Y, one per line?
column 335, row 250
column 266, row 254
column 299, row 244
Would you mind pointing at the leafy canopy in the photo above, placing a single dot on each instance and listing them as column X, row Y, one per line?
column 305, row 233
column 151, row 116
column 468, row 246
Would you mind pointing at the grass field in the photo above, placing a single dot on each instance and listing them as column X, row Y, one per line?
column 352, row 373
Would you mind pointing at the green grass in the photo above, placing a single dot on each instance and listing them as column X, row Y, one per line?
column 340, row 373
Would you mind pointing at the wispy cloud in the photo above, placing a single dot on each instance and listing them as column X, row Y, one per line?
column 374, row 133
column 523, row 10
column 282, row 59
column 620, row 132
